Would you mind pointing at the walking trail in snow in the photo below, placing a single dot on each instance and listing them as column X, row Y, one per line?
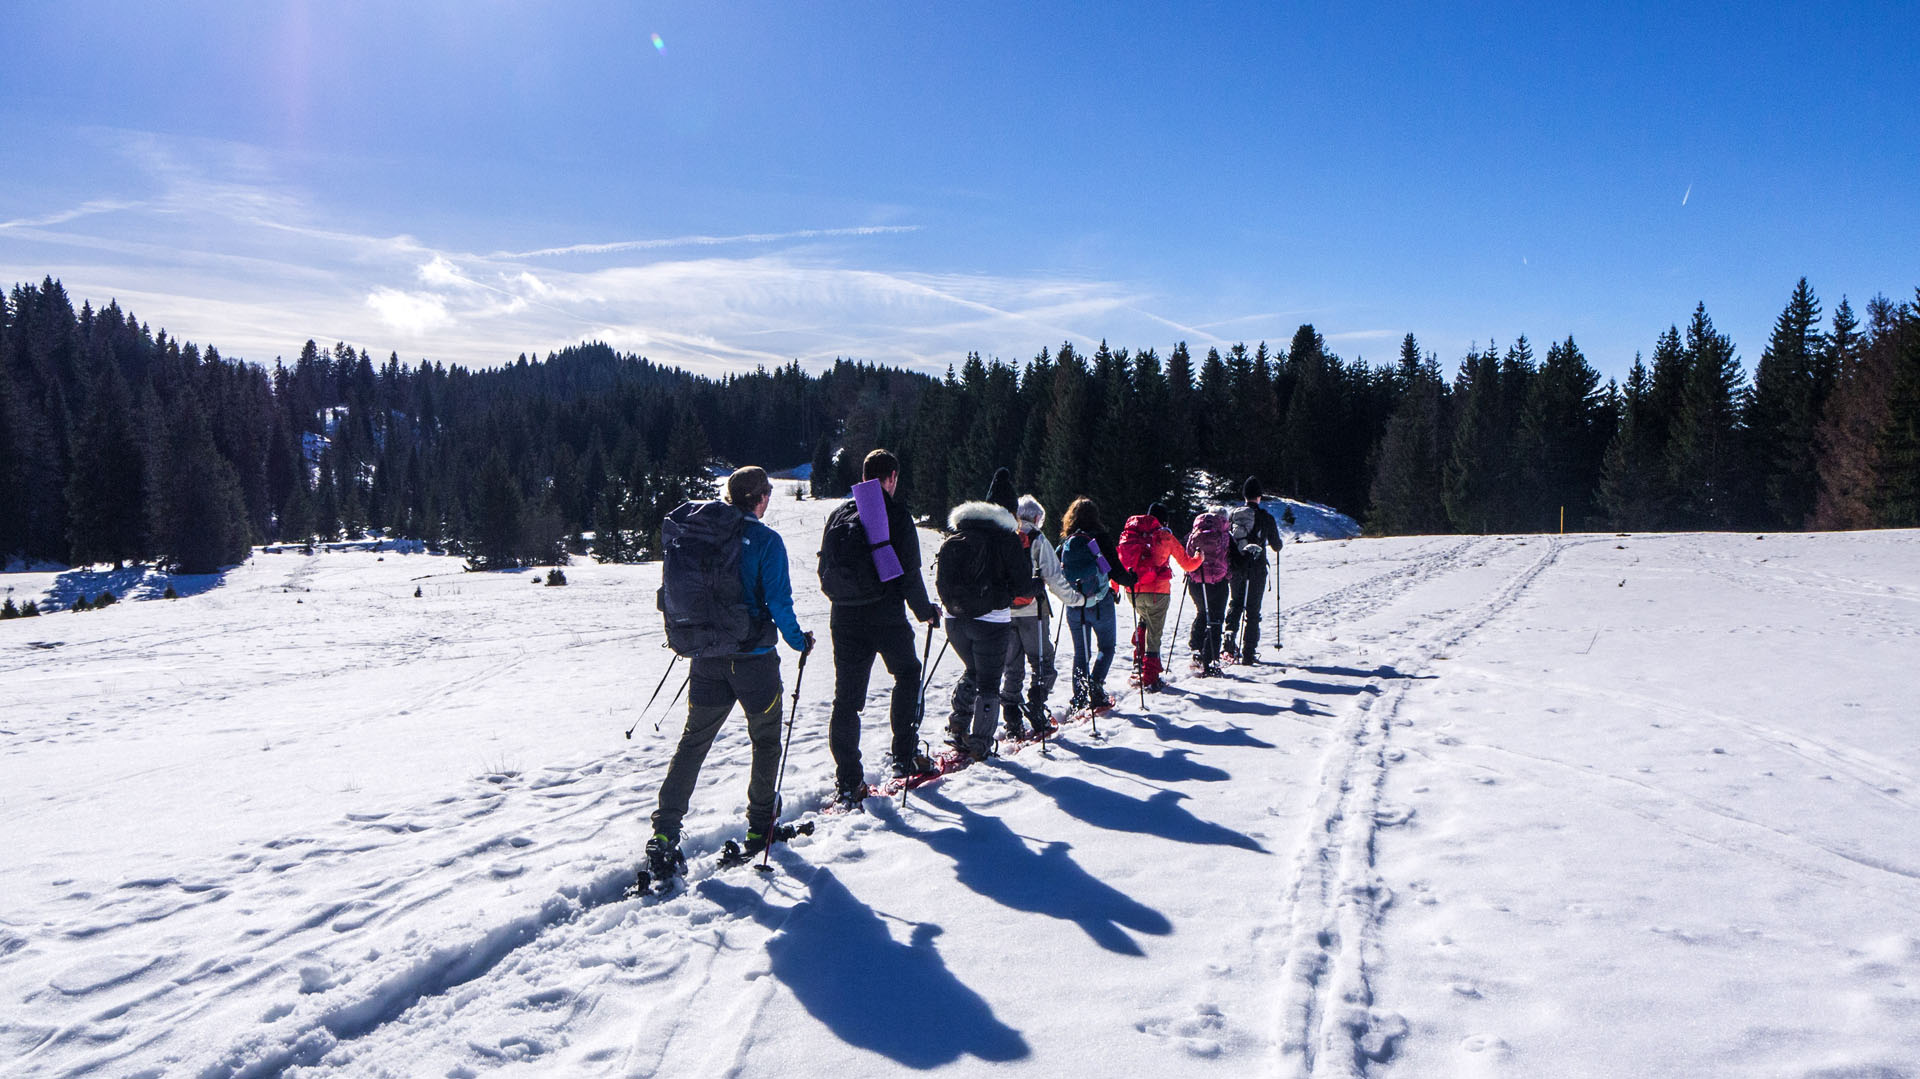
column 1584, row 805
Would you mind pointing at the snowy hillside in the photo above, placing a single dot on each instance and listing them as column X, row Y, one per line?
column 1517, row 806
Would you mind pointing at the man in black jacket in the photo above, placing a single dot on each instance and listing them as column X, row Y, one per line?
column 1254, row 531
column 868, row 619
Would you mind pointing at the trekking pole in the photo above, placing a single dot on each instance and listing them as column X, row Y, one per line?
column 1178, row 609
column 1139, row 651
column 656, row 694
column 1279, row 619
column 936, row 666
column 766, row 853
column 660, row 717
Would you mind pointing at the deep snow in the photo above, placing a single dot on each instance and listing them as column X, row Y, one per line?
column 1588, row 805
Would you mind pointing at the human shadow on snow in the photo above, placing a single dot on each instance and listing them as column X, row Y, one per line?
column 990, row 858
column 1169, row 766
column 1159, row 814
column 1196, row 734
column 842, row 964
column 1385, row 670
column 1330, row 688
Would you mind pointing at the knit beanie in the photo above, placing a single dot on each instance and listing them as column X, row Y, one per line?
column 1158, row 511
column 1252, row 489
column 1000, row 491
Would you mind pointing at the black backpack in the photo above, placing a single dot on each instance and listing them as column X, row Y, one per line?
column 700, row 594
column 963, row 574
column 847, row 573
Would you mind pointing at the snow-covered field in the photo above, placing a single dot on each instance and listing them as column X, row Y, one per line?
column 1522, row 806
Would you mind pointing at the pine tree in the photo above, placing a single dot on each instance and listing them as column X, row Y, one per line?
column 200, row 519
column 1064, row 456
column 1703, row 457
column 108, row 496
column 499, row 518
column 1561, row 439
column 1633, row 474
column 1896, row 497
column 1405, row 497
column 1472, row 475
column 1849, row 432
column 1789, row 386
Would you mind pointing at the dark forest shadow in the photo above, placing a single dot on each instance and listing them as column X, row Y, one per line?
column 1159, row 814
column 133, row 582
column 844, row 967
column 990, row 858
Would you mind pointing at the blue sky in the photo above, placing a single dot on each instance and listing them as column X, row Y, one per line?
column 465, row 180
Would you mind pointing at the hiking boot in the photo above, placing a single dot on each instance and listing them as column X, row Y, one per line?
column 664, row 859
column 848, row 795
column 1100, row 702
column 913, row 764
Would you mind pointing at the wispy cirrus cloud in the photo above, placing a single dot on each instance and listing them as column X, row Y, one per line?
column 222, row 250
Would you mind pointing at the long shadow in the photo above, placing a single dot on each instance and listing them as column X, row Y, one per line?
column 1169, row 766
column 1159, row 814
column 1196, row 734
column 1385, row 670
column 843, row 966
column 991, row 859
column 1333, row 688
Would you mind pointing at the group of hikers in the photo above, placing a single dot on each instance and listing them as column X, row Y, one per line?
column 728, row 601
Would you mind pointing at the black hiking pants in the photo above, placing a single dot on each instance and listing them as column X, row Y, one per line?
column 1248, row 588
column 982, row 647
column 860, row 634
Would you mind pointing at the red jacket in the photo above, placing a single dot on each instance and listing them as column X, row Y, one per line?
column 1156, row 576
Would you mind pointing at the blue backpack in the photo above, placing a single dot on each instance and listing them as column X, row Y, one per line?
column 1084, row 567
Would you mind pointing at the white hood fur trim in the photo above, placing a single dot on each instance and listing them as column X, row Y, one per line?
column 975, row 512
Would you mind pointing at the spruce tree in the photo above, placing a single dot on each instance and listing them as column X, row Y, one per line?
column 1849, row 431
column 1406, row 495
column 1561, row 439
column 1633, row 474
column 200, row 519
column 1704, row 461
column 108, row 496
column 1896, row 497
column 499, row 517
column 1472, row 476
column 1063, row 459
column 1789, row 386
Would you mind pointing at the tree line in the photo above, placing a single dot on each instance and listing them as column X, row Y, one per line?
column 119, row 444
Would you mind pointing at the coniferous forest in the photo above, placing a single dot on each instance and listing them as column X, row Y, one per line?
column 122, row 444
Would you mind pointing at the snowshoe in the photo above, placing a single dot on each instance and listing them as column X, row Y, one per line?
column 738, row 854
column 664, row 863
column 850, row 797
column 916, row 764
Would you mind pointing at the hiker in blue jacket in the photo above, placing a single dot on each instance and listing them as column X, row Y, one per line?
column 750, row 676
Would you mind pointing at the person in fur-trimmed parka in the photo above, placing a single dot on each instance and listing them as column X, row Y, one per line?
column 978, row 572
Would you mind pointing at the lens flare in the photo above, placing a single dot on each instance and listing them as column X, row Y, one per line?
column 659, row 44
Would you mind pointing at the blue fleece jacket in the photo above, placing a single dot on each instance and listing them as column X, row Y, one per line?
column 766, row 584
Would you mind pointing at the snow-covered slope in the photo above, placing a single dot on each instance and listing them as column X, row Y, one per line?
column 1583, row 805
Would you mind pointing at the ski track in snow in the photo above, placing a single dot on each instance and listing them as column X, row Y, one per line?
column 1329, row 1027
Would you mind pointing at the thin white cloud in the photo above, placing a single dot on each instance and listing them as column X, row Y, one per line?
column 61, row 217
column 704, row 241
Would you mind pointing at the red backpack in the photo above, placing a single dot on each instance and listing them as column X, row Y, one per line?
column 1211, row 539
column 1136, row 545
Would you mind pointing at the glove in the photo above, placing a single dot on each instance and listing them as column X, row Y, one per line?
column 934, row 618
column 808, row 650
